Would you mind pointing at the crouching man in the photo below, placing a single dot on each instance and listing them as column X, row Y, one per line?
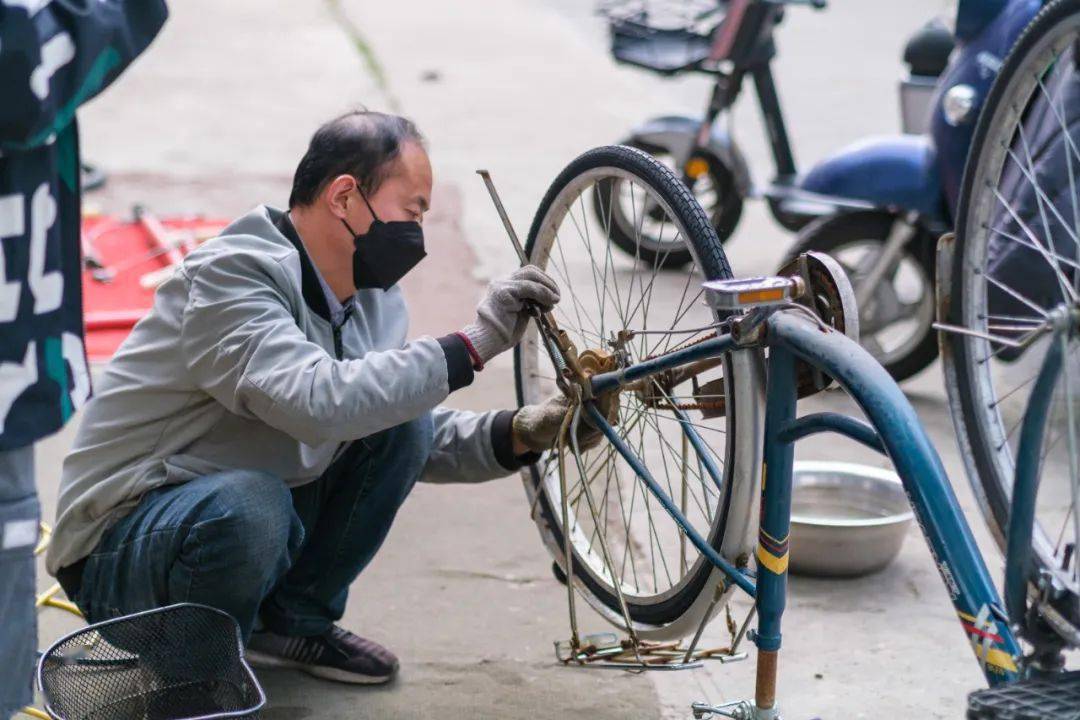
column 253, row 438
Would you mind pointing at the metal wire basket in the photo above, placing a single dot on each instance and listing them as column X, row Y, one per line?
column 181, row 662
column 664, row 36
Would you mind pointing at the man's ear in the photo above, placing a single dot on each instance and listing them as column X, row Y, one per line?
column 339, row 193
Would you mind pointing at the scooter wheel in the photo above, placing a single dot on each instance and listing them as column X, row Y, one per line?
column 714, row 187
column 896, row 326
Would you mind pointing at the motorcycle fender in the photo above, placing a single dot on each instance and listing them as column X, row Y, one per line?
column 676, row 134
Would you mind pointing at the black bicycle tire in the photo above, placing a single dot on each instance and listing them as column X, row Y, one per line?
column 714, row 264
column 829, row 233
column 997, row 495
column 724, row 218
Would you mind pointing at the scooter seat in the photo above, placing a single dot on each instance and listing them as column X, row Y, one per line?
column 896, row 172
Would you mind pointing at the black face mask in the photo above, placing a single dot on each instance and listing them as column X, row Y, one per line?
column 386, row 252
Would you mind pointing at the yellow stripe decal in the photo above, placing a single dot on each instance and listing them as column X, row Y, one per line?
column 997, row 658
column 773, row 563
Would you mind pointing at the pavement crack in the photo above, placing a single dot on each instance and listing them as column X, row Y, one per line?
column 512, row 579
column 364, row 50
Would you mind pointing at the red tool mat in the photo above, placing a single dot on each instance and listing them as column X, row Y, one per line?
column 124, row 260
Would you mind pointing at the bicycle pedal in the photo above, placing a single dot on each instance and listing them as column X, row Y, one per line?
column 1056, row 697
column 739, row 293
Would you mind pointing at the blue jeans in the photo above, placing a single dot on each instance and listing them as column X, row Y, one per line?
column 19, row 515
column 242, row 541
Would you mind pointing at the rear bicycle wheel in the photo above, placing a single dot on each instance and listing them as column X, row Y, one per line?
column 1016, row 265
column 666, row 583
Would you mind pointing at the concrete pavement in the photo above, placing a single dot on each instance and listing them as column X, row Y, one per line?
column 214, row 118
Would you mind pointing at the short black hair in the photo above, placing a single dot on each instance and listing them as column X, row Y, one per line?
column 360, row 143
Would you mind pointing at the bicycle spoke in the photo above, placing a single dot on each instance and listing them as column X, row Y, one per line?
column 1025, row 243
column 564, row 275
column 652, row 526
column 602, row 288
column 1069, row 157
column 668, row 447
column 645, row 500
column 608, row 461
column 1012, row 318
column 1042, row 251
column 625, row 514
column 679, row 314
column 1009, row 394
column 1002, row 286
column 1041, row 199
column 696, row 426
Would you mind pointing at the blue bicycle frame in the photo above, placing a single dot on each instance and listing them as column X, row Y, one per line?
column 894, row 430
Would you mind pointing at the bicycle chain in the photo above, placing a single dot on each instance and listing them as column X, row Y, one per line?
column 683, row 345
column 714, row 405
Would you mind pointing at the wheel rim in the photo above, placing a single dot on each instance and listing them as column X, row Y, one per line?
column 998, row 228
column 604, row 292
column 900, row 313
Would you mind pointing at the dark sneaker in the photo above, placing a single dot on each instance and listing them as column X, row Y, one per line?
column 337, row 655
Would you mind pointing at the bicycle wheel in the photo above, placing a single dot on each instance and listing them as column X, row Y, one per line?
column 664, row 580
column 1015, row 264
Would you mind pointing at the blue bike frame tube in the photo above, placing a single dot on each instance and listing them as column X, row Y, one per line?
column 775, row 527
column 919, row 467
column 857, row 430
column 1018, row 568
column 712, row 347
column 733, row 573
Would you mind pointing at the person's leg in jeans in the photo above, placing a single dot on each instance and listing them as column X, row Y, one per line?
column 221, row 540
column 346, row 514
column 19, row 518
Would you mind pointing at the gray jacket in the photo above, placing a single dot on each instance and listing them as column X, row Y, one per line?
column 239, row 366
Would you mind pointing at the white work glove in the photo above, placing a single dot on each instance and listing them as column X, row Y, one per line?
column 501, row 317
column 537, row 426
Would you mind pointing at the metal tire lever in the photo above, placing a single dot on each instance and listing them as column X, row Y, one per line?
column 554, row 340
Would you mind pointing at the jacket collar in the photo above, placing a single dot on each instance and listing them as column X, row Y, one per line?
column 310, row 286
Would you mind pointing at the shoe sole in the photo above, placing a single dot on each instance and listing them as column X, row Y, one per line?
column 259, row 660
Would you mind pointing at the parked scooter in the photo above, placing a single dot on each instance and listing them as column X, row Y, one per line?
column 879, row 205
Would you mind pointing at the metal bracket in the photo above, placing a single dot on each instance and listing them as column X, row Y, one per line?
column 737, row 709
column 607, row 651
